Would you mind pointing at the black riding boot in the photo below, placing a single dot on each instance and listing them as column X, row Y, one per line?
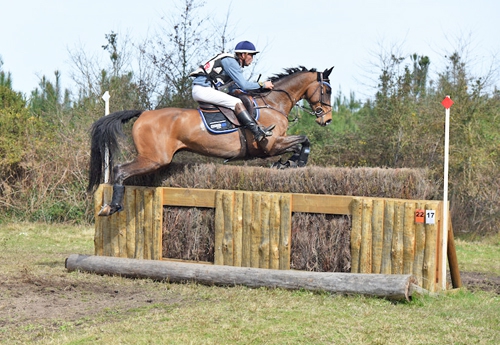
column 117, row 199
column 247, row 121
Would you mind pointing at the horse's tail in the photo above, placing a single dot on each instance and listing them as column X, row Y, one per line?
column 104, row 134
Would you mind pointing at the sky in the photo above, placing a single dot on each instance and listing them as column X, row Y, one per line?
column 36, row 36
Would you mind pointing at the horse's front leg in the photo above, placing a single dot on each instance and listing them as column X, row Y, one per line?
column 298, row 144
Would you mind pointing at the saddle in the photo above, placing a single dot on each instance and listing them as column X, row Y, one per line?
column 219, row 119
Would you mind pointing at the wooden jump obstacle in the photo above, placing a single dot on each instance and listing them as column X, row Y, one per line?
column 253, row 229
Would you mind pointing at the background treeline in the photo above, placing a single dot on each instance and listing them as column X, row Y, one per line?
column 44, row 144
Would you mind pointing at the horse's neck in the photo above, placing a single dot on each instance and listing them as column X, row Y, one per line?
column 293, row 90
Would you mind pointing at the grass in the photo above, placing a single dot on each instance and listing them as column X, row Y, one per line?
column 481, row 256
column 95, row 309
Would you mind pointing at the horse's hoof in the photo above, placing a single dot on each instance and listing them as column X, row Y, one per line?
column 108, row 210
column 105, row 211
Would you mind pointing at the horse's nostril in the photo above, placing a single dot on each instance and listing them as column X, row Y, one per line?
column 328, row 122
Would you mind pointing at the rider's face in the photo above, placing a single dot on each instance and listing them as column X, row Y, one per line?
column 246, row 59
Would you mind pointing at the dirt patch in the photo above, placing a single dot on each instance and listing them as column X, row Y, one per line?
column 28, row 300
column 475, row 281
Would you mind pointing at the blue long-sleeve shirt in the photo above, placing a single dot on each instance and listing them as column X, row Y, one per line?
column 232, row 69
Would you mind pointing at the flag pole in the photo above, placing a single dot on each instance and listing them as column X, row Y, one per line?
column 447, row 103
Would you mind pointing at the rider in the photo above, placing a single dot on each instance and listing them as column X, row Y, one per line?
column 224, row 69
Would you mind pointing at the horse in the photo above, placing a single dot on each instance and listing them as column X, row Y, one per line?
column 159, row 134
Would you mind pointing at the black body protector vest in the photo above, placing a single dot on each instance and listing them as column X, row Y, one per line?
column 212, row 69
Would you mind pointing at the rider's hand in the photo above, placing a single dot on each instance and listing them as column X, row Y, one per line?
column 268, row 85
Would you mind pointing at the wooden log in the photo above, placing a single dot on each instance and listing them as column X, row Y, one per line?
column 219, row 229
column 130, row 212
column 409, row 237
column 237, row 228
column 122, row 234
column 386, row 267
column 98, row 235
column 107, row 222
column 264, row 224
column 148, row 223
column 139, row 225
column 418, row 262
column 430, row 254
column 246, row 236
column 357, row 213
column 227, row 239
column 274, row 232
column 365, row 256
column 456, row 280
column 380, row 285
column 397, row 238
column 285, row 231
column 256, row 231
column 157, row 224
column 377, row 235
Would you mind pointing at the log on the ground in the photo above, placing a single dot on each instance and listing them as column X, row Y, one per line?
column 389, row 286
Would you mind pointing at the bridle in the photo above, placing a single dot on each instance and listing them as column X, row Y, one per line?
column 317, row 107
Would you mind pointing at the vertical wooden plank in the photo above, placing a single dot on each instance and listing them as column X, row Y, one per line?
column 122, row 232
column 106, row 222
column 429, row 267
column 386, row 267
column 264, row 226
column 98, row 233
column 114, row 235
column 456, row 280
column 409, row 237
column 227, row 240
column 219, row 229
column 157, row 224
column 274, row 231
column 285, row 231
column 130, row 212
column 148, row 223
column 237, row 228
column 356, row 221
column 377, row 234
column 246, row 237
column 139, row 224
column 365, row 259
column 256, row 231
column 397, row 238
column 418, row 262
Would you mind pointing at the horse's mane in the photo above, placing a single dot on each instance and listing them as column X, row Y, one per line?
column 290, row 71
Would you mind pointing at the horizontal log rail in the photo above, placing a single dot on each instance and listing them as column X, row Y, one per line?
column 392, row 286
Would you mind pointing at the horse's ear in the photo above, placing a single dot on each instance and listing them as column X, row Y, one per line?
column 327, row 72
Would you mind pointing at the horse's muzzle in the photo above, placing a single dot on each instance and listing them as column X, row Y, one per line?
column 324, row 120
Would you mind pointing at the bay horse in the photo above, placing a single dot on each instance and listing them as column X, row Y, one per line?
column 159, row 134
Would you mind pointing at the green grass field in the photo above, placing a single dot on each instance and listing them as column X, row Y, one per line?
column 41, row 303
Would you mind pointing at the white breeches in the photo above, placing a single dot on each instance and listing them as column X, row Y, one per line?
column 213, row 96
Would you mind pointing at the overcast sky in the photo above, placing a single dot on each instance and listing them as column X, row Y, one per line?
column 35, row 35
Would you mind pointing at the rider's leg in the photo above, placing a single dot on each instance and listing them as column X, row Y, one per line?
column 249, row 122
column 210, row 95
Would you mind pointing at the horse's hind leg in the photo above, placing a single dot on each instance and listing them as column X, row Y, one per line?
column 138, row 166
